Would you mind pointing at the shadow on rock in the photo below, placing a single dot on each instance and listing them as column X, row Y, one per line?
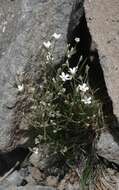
column 8, row 160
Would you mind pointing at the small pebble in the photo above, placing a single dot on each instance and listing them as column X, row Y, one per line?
column 52, row 181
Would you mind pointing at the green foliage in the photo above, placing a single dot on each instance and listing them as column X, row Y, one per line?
column 61, row 108
column 64, row 110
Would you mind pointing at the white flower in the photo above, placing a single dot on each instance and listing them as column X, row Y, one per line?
column 83, row 87
column 73, row 70
column 77, row 40
column 86, row 100
column 65, row 77
column 20, row 87
column 56, row 36
column 35, row 150
column 47, row 44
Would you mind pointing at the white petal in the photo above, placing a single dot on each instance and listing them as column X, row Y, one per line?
column 65, row 77
column 20, row 88
column 73, row 70
column 47, row 44
column 77, row 39
column 86, row 100
column 56, row 36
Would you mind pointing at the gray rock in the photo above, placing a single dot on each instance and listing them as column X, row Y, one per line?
column 52, row 181
column 24, row 26
column 35, row 159
column 15, row 178
column 33, row 187
column 28, row 187
column 49, row 162
column 102, row 18
column 7, row 186
column 40, row 160
column 30, row 180
column 107, row 147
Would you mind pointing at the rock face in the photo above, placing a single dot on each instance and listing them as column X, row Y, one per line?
column 37, row 187
column 24, row 26
column 108, row 148
column 102, row 18
column 103, row 24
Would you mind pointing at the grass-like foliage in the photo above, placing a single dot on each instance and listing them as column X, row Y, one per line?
column 64, row 110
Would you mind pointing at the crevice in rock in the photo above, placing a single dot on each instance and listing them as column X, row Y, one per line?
column 87, row 48
column 8, row 160
column 109, row 164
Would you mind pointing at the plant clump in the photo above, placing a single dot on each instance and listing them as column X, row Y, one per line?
column 60, row 108
column 64, row 111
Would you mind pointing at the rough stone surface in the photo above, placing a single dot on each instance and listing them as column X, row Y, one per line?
column 15, row 178
column 52, row 181
column 107, row 147
column 28, row 187
column 103, row 22
column 7, row 187
column 37, row 187
column 40, row 160
column 24, row 26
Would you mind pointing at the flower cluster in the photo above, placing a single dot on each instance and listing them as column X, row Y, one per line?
column 65, row 104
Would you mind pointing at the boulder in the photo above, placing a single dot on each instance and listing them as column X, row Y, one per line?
column 24, row 26
column 103, row 23
column 107, row 147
